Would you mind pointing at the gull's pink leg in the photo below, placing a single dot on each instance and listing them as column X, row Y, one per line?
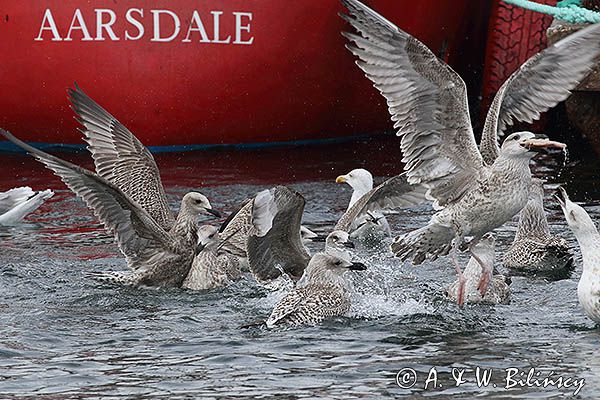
column 486, row 272
column 460, row 291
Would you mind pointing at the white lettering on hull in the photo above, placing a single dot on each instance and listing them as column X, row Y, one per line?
column 166, row 26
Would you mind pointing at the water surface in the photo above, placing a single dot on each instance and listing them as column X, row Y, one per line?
column 64, row 336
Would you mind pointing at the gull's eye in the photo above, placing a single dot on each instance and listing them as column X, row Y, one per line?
column 572, row 214
column 338, row 263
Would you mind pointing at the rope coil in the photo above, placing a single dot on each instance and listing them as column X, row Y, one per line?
column 567, row 10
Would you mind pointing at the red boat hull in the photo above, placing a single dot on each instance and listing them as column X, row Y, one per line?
column 284, row 75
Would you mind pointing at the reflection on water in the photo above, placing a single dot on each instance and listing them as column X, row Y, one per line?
column 63, row 335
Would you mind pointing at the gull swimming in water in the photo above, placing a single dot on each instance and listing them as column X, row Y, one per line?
column 372, row 226
column 584, row 229
column 478, row 191
column 392, row 194
column 17, row 203
column 212, row 267
column 535, row 249
column 157, row 257
column 322, row 293
column 498, row 290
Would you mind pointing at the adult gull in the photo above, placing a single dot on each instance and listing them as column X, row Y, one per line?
column 584, row 229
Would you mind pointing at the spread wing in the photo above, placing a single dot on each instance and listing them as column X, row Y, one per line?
column 121, row 158
column 426, row 99
column 280, row 247
column 392, row 194
column 137, row 234
column 237, row 228
column 543, row 81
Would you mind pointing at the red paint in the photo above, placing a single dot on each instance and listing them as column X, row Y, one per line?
column 295, row 81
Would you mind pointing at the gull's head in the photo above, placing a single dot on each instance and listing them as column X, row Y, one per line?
column 328, row 267
column 358, row 179
column 198, row 204
column 526, row 145
column 207, row 235
column 306, row 235
column 578, row 219
column 339, row 238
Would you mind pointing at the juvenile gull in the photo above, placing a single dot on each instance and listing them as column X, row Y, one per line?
column 498, row 290
column 275, row 246
column 322, row 294
column 157, row 257
column 17, row 203
column 428, row 103
column 535, row 249
column 212, row 267
column 584, row 229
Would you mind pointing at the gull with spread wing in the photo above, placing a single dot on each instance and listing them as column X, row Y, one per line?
column 478, row 191
column 157, row 257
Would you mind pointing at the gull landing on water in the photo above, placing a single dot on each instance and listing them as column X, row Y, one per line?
column 479, row 190
column 17, row 203
column 584, row 229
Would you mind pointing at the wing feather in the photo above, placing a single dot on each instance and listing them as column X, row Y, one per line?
column 119, row 157
column 543, row 81
column 427, row 101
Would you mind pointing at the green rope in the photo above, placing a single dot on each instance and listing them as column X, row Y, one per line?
column 566, row 10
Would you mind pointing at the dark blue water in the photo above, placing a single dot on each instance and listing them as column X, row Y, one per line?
column 64, row 336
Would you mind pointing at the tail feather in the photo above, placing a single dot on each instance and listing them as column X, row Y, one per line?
column 115, row 278
column 430, row 241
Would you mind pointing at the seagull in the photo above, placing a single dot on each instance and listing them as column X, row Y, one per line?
column 17, row 203
column 157, row 257
column 275, row 246
column 324, row 293
column 498, row 291
column 372, row 226
column 368, row 208
column 212, row 267
column 588, row 289
column 476, row 190
column 534, row 248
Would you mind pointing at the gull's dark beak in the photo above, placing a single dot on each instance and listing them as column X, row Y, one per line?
column 213, row 212
column 541, row 143
column 348, row 244
column 356, row 266
column 318, row 239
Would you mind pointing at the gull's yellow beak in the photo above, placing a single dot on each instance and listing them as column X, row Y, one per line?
column 340, row 179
